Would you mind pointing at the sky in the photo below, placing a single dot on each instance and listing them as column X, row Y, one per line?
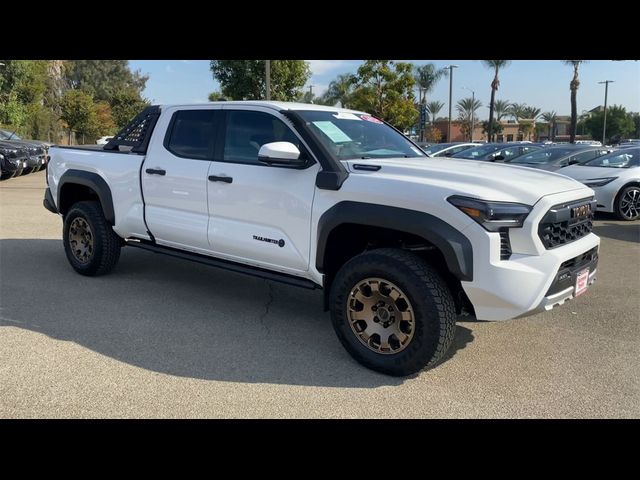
column 539, row 83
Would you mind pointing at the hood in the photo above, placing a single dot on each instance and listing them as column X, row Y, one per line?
column 485, row 180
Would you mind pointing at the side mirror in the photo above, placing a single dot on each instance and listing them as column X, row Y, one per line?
column 281, row 154
column 498, row 158
column 573, row 162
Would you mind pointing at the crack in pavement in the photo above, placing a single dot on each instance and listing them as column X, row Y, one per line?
column 267, row 306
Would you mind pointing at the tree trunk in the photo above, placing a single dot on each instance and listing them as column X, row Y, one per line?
column 493, row 97
column 69, row 136
column 574, row 117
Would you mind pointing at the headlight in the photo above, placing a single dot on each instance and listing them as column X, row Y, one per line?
column 598, row 182
column 493, row 216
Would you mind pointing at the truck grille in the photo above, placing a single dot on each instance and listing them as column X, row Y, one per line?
column 567, row 222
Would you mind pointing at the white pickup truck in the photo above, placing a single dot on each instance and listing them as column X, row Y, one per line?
column 323, row 197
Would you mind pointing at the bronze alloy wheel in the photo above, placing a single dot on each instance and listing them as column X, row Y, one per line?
column 81, row 240
column 380, row 315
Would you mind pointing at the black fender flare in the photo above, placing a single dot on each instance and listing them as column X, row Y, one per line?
column 455, row 247
column 96, row 183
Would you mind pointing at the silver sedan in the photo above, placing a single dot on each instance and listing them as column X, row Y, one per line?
column 615, row 178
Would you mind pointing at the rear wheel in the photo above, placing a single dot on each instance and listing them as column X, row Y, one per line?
column 392, row 311
column 628, row 203
column 91, row 245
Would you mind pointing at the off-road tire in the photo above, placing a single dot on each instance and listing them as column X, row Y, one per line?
column 434, row 311
column 106, row 243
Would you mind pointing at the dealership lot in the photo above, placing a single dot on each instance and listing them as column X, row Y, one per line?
column 160, row 337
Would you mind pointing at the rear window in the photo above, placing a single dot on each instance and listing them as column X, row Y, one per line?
column 192, row 134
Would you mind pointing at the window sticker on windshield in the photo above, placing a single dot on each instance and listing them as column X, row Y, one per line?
column 346, row 116
column 371, row 119
column 332, row 131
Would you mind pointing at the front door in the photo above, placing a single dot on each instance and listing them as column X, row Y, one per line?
column 260, row 215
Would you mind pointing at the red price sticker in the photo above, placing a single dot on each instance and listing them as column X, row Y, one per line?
column 371, row 119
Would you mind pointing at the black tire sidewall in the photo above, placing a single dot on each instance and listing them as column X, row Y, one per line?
column 424, row 344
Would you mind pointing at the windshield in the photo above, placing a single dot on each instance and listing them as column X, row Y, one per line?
column 478, row 152
column 627, row 158
column 349, row 136
column 543, row 156
column 4, row 135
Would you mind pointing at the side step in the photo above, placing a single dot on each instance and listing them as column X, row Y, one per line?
column 225, row 264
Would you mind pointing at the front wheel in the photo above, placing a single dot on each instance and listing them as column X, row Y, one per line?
column 392, row 311
column 91, row 245
column 628, row 203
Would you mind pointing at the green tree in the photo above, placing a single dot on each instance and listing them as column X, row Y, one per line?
column 433, row 135
column 620, row 124
column 551, row 118
column 500, row 109
column 434, row 108
column 495, row 65
column 636, row 122
column 516, row 110
column 125, row 105
column 573, row 86
column 245, row 79
column 22, row 88
column 467, row 108
column 426, row 77
column 216, row 97
column 103, row 79
column 385, row 88
column 79, row 112
column 340, row 91
column 497, row 127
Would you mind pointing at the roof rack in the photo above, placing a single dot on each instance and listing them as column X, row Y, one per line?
column 137, row 133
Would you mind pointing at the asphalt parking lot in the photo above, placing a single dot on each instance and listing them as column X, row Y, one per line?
column 161, row 337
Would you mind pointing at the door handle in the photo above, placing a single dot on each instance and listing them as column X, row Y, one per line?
column 156, row 171
column 214, row 178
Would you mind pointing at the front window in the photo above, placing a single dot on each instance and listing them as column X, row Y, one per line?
column 621, row 159
column 354, row 135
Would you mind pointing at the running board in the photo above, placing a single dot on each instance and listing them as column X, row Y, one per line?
column 225, row 264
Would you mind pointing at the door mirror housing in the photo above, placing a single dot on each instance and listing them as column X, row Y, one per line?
column 281, row 154
column 498, row 158
column 573, row 162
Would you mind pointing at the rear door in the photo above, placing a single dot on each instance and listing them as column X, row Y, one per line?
column 174, row 178
column 260, row 214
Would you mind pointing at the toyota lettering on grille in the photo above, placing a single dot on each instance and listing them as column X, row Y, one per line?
column 581, row 211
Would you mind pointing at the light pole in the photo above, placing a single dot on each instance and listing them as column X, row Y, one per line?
column 267, row 72
column 473, row 109
column 606, row 91
column 450, row 67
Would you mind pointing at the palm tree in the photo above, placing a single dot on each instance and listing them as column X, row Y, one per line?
column 501, row 108
column 496, row 65
column 340, row 90
column 531, row 114
column 573, row 86
column 550, row 118
column 467, row 108
column 434, row 108
column 426, row 77
column 517, row 110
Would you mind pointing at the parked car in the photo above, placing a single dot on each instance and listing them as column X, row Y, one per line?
column 615, row 178
column 557, row 157
column 7, row 135
column 103, row 140
column 13, row 160
column 447, row 149
column 496, row 152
